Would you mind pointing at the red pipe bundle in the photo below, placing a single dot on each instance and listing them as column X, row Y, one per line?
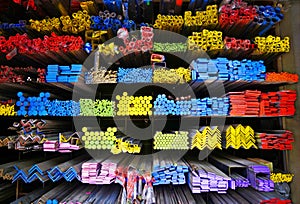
column 26, row 3
column 276, row 201
column 281, row 103
column 244, row 103
column 277, row 139
column 24, row 45
column 134, row 45
column 18, row 74
column 238, row 44
column 236, row 13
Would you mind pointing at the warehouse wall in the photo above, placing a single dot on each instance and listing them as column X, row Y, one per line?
column 291, row 63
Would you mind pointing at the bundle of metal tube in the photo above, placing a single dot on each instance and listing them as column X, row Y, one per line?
column 177, row 140
column 204, row 177
column 206, row 40
column 8, row 28
column 103, row 108
column 195, row 107
column 169, row 22
column 224, row 69
column 237, row 136
column 56, row 73
column 126, row 144
column 207, row 18
column 133, row 44
column 133, row 105
column 258, row 175
column 7, row 109
column 172, row 76
column 206, row 137
column 281, row 177
column 94, row 172
column 238, row 44
column 275, row 139
column 272, row 44
column 22, row 44
column 21, row 74
column 167, row 172
column 134, row 75
column 37, row 171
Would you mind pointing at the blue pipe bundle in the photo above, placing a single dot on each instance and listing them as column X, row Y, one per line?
column 113, row 23
column 7, row 26
column 63, row 108
column 268, row 16
column 56, row 73
column 224, row 69
column 135, row 75
column 194, row 107
column 32, row 106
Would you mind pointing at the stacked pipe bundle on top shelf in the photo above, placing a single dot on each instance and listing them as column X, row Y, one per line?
column 177, row 140
column 133, row 105
column 275, row 139
column 204, row 177
column 206, row 137
column 224, row 69
column 167, row 172
column 169, row 22
column 237, row 136
column 207, row 18
column 187, row 106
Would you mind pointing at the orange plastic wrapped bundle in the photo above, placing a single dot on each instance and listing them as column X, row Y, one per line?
column 281, row 77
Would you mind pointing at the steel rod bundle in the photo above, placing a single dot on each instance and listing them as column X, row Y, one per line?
column 94, row 172
column 282, row 77
column 275, row 139
column 99, row 140
column 237, row 136
column 169, row 47
column 244, row 103
column 171, row 76
column 272, row 44
column 231, row 197
column 206, row 40
column 224, row 69
column 133, row 105
column 167, row 172
column 37, row 171
column 206, row 18
column 178, row 140
column 100, row 76
column 56, row 73
column 206, row 137
column 169, row 22
column 204, row 177
column 236, row 16
column 103, row 108
column 134, row 75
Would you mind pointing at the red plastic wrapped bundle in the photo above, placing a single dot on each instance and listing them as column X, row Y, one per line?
column 24, row 45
